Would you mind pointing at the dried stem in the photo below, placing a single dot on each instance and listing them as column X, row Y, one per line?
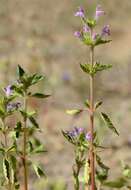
column 24, row 147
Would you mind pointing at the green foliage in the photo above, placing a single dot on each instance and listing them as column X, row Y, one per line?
column 74, row 112
column 109, row 123
column 11, row 149
column 38, row 170
column 93, row 69
column 118, row 183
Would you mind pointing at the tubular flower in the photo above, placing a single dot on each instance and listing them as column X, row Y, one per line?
column 99, row 12
column 80, row 12
column 106, row 31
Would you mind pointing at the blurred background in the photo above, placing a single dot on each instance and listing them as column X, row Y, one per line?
column 38, row 35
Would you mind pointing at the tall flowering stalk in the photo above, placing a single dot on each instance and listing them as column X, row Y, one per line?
column 26, row 128
column 95, row 170
column 8, row 106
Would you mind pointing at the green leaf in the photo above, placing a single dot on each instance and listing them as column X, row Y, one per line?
column 100, row 163
column 98, row 104
column 74, row 111
column 109, row 123
column 36, row 78
column 87, row 103
column 39, row 172
column 100, row 41
column 39, row 95
column 21, row 72
column 34, row 122
column 11, row 149
column 118, row 183
column 87, row 68
column 100, row 67
column 6, row 169
column 39, row 149
column 18, row 129
column 102, row 173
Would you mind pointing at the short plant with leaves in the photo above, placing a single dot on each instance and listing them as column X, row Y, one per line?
column 20, row 143
column 96, row 172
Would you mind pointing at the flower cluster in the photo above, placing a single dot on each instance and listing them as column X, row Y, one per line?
column 77, row 132
column 13, row 106
column 87, row 33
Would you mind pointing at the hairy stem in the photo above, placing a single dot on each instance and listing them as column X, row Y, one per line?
column 92, row 158
column 24, row 146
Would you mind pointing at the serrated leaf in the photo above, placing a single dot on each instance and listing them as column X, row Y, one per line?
column 100, row 67
column 36, row 78
column 39, row 172
column 98, row 104
column 74, row 111
column 109, row 123
column 40, row 95
column 87, row 68
column 100, row 41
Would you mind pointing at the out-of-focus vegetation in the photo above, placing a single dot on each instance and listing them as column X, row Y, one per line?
column 39, row 36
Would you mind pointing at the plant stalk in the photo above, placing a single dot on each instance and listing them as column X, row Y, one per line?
column 24, row 146
column 92, row 157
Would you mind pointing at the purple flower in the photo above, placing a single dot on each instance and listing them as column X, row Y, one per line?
column 88, row 136
column 77, row 34
column 94, row 36
column 106, row 31
column 80, row 12
column 99, row 12
column 76, row 132
column 13, row 106
column 86, row 28
column 8, row 90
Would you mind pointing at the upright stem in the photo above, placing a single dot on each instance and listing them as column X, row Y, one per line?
column 24, row 147
column 92, row 158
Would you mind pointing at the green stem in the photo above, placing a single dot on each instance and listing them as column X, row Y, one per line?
column 24, row 147
column 6, row 156
column 92, row 158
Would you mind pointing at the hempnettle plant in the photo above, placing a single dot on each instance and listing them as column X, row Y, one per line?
column 19, row 143
column 86, row 143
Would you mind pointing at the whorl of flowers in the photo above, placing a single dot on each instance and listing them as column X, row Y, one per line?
column 87, row 34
